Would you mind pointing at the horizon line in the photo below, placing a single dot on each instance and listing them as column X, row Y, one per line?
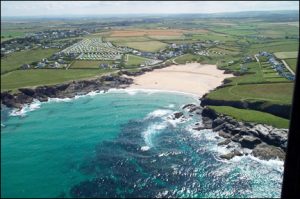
column 128, row 14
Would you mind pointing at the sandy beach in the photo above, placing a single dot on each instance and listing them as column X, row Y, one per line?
column 193, row 78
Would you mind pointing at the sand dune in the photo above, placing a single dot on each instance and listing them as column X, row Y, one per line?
column 193, row 78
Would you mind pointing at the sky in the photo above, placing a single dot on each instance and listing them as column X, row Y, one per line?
column 67, row 8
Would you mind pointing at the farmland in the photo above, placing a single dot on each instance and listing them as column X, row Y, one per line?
column 146, row 32
column 148, row 46
column 135, row 61
column 225, row 42
column 83, row 64
column 30, row 78
column 286, row 55
column 292, row 63
column 14, row 61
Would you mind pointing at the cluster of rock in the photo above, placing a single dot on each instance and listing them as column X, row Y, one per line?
column 65, row 90
column 263, row 141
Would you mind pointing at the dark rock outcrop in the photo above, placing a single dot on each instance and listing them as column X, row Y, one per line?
column 178, row 115
column 65, row 90
column 249, row 141
column 259, row 137
column 268, row 152
column 230, row 155
column 225, row 142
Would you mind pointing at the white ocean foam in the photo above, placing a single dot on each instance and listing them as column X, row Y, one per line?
column 133, row 91
column 36, row 103
column 145, row 148
column 171, row 106
column 26, row 108
column 91, row 94
column 174, row 122
column 273, row 163
column 151, row 131
column 59, row 100
column 158, row 113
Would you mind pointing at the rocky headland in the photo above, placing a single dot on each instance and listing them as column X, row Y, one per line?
column 65, row 90
column 260, row 140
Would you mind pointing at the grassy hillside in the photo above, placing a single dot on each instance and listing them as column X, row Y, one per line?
column 148, row 46
column 276, row 93
column 28, row 78
column 252, row 116
column 15, row 60
column 84, row 64
column 134, row 61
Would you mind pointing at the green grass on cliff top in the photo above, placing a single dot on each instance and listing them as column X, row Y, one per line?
column 275, row 93
column 37, row 77
column 247, row 115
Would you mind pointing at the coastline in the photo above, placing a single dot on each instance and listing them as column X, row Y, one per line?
column 194, row 78
column 263, row 139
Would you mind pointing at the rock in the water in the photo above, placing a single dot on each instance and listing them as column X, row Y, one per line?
column 225, row 142
column 249, row 141
column 178, row 115
column 268, row 152
column 224, row 134
column 230, row 155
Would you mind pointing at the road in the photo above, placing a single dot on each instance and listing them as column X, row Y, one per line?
column 287, row 66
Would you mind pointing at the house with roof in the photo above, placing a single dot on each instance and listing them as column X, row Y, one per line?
column 103, row 65
column 41, row 65
column 25, row 66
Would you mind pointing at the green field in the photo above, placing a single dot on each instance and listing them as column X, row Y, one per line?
column 165, row 38
column 134, row 61
column 292, row 63
column 274, row 46
column 194, row 58
column 6, row 35
column 276, row 93
column 247, row 115
column 238, row 38
column 286, row 55
column 126, row 39
column 210, row 36
column 29, row 78
column 15, row 60
column 148, row 46
column 89, row 64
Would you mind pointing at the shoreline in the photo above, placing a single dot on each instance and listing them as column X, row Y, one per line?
column 180, row 83
column 194, row 78
column 266, row 144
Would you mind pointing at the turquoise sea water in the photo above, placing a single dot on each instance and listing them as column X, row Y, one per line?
column 123, row 144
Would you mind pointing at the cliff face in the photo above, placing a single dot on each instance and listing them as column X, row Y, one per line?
column 265, row 142
column 275, row 109
column 66, row 90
